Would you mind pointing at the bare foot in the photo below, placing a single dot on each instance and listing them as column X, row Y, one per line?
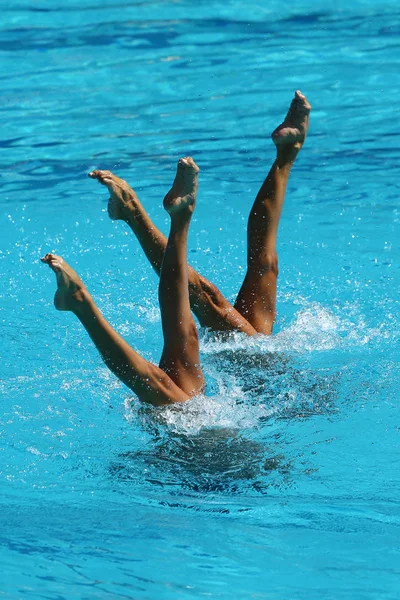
column 123, row 199
column 292, row 132
column 182, row 195
column 70, row 287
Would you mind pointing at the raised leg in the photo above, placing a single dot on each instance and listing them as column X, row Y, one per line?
column 256, row 300
column 180, row 358
column 207, row 302
column 149, row 382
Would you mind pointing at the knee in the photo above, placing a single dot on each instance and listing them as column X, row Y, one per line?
column 212, row 292
column 192, row 335
column 187, row 336
column 206, row 292
column 272, row 264
column 268, row 263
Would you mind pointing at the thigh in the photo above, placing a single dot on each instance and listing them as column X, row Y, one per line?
column 212, row 309
column 256, row 300
column 180, row 360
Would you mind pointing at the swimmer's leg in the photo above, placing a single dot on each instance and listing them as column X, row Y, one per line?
column 207, row 302
column 180, row 358
column 148, row 381
column 256, row 300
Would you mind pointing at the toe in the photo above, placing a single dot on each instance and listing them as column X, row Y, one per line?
column 300, row 101
column 188, row 161
column 99, row 174
column 48, row 257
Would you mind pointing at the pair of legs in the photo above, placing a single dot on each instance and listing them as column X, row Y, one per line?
column 181, row 288
column 179, row 375
column 255, row 308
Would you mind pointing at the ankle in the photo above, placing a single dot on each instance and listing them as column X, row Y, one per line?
column 129, row 211
column 180, row 222
column 80, row 300
column 286, row 155
column 131, row 214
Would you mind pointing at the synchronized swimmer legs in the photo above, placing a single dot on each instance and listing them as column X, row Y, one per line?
column 207, row 302
column 256, row 300
column 179, row 376
column 180, row 357
column 255, row 308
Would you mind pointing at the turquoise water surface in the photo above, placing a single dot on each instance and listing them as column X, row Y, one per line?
column 283, row 482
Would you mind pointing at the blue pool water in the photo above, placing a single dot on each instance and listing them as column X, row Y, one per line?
column 283, row 483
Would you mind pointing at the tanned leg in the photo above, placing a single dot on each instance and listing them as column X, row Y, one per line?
column 207, row 302
column 256, row 300
column 149, row 382
column 180, row 358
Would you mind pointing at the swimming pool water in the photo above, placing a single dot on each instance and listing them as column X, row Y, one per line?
column 283, row 482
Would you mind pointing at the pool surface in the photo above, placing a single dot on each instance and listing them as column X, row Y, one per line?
column 283, row 482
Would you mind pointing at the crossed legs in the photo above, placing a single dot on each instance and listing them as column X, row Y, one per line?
column 179, row 375
column 255, row 307
column 207, row 302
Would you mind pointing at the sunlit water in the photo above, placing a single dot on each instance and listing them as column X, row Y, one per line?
column 282, row 482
